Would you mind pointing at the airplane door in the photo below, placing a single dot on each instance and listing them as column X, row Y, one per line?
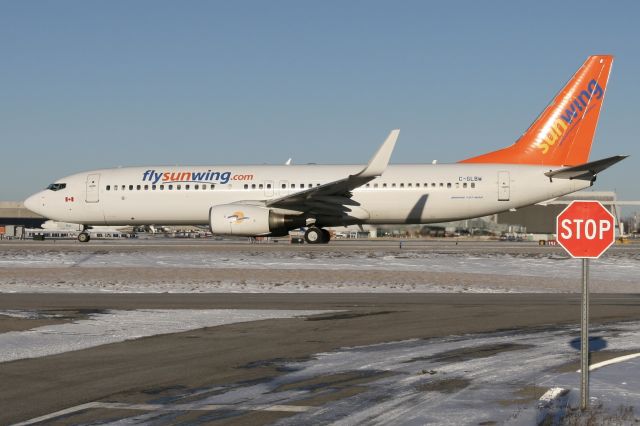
column 93, row 188
column 503, row 186
column 268, row 188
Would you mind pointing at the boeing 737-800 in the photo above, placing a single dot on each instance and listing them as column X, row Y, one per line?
column 549, row 160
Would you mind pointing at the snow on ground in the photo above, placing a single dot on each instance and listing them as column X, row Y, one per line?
column 621, row 266
column 459, row 380
column 257, row 287
column 289, row 271
column 120, row 325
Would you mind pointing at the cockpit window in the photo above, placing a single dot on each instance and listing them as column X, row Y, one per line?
column 57, row 186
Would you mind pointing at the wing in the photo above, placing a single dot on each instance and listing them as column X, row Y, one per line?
column 334, row 198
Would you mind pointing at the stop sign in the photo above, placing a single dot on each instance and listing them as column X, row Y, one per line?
column 585, row 229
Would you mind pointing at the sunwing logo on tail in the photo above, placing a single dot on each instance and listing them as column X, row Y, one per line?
column 573, row 113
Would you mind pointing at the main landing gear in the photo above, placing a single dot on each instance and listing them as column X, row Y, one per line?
column 316, row 235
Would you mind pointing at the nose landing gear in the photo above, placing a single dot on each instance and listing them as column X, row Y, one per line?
column 315, row 235
column 84, row 236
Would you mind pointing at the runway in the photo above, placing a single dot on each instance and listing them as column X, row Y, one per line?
column 373, row 357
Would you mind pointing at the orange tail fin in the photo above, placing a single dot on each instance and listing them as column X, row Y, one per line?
column 562, row 135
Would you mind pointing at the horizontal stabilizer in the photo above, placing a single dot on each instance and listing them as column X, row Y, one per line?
column 586, row 171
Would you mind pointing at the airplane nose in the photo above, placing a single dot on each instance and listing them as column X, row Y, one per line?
column 33, row 203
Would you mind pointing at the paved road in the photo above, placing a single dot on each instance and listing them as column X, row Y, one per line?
column 150, row 369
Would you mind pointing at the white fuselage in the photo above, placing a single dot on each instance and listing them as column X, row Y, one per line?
column 421, row 193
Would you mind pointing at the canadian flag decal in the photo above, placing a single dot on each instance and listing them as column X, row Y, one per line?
column 68, row 199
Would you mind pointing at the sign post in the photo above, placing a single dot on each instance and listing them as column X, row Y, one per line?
column 584, row 337
column 585, row 229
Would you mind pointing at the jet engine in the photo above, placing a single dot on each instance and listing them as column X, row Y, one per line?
column 248, row 220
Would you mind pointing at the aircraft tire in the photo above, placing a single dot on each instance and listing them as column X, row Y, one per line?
column 326, row 236
column 84, row 237
column 314, row 236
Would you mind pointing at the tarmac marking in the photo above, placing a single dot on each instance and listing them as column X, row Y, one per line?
column 612, row 361
column 166, row 407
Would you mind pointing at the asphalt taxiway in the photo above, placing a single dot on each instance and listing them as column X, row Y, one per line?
column 144, row 371
column 245, row 372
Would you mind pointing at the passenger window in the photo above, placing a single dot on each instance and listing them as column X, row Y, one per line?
column 464, row 185
column 138, row 187
column 457, row 185
column 123, row 187
column 268, row 186
column 402, row 185
column 153, row 187
column 196, row 186
column 384, row 185
column 260, row 186
column 253, row 186
column 130, row 187
column 293, row 185
column 368, row 185
column 115, row 187
column 448, row 184
column 213, row 186
column 246, row 186
column 375, row 185
column 409, row 185
column 178, row 187
column 146, row 187
column 108, row 187
column 433, row 184
column 302, row 185
column 170, row 187
column 161, row 187
column 441, row 184
column 473, row 184
column 186, row 187
column 393, row 185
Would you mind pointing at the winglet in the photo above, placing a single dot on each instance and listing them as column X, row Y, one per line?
column 380, row 159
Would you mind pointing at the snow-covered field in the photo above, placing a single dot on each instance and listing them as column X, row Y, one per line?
column 327, row 271
column 621, row 266
column 285, row 270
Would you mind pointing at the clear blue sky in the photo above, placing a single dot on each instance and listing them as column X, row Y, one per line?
column 87, row 84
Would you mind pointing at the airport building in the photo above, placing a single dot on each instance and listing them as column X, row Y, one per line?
column 541, row 218
column 15, row 217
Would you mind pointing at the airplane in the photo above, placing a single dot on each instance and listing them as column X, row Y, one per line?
column 549, row 160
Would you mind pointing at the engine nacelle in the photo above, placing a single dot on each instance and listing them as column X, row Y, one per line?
column 251, row 221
